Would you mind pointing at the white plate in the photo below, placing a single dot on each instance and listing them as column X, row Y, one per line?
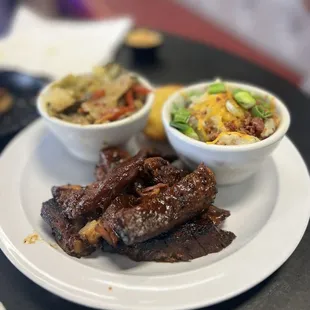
column 269, row 214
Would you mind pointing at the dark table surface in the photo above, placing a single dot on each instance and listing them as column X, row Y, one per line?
column 183, row 61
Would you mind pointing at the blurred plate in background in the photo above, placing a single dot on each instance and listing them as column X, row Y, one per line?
column 23, row 89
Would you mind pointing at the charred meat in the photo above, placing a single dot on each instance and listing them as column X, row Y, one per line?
column 93, row 230
column 79, row 201
column 217, row 215
column 109, row 159
column 142, row 207
column 178, row 204
column 191, row 240
column 65, row 232
column 103, row 224
column 158, row 170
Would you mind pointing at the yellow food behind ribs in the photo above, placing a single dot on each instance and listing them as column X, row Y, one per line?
column 154, row 128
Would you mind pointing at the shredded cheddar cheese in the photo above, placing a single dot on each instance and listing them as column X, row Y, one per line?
column 213, row 109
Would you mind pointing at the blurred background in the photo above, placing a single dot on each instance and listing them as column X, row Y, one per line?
column 272, row 33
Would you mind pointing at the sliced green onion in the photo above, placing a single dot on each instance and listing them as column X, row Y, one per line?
column 180, row 126
column 182, row 115
column 185, row 129
column 244, row 99
column 216, row 88
column 190, row 132
column 261, row 112
column 261, row 101
column 258, row 97
column 237, row 90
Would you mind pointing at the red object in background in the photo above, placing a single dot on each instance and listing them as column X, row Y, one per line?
column 168, row 16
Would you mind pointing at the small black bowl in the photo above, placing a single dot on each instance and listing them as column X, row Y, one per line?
column 144, row 44
column 24, row 89
column 144, row 55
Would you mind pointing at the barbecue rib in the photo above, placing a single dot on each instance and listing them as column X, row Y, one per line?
column 176, row 205
column 93, row 230
column 65, row 232
column 109, row 159
column 79, row 201
column 119, row 203
column 191, row 240
column 142, row 207
column 157, row 175
column 158, row 170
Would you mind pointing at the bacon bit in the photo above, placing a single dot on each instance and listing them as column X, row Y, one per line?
column 97, row 94
column 141, row 90
column 129, row 99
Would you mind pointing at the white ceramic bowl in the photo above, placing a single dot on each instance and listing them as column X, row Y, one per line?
column 85, row 141
column 231, row 164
